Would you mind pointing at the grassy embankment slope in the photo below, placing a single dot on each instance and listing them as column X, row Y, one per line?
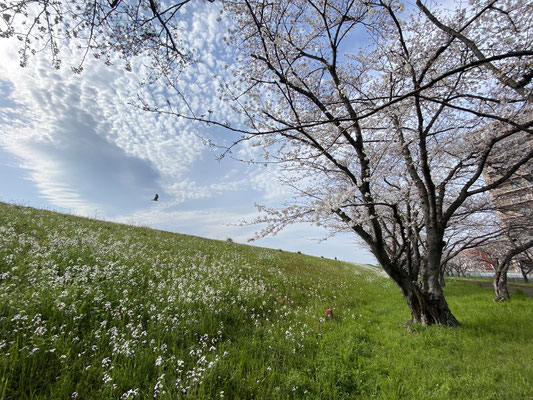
column 96, row 310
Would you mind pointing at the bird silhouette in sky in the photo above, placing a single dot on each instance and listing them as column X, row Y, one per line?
column 156, row 197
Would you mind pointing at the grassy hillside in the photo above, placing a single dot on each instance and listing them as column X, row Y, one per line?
column 95, row 310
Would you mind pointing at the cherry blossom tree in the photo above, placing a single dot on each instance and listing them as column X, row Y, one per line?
column 500, row 276
column 383, row 123
column 490, row 232
column 475, row 228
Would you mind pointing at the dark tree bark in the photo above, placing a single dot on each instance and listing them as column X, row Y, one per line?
column 526, row 266
column 429, row 307
column 500, row 282
column 426, row 301
column 500, row 275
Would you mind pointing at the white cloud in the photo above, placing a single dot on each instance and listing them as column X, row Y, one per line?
column 90, row 114
column 63, row 140
column 267, row 182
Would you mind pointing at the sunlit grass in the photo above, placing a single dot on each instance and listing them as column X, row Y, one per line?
column 95, row 310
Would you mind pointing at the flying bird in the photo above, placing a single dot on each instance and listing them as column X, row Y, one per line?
column 156, row 197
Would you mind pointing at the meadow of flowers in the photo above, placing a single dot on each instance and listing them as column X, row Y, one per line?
column 95, row 310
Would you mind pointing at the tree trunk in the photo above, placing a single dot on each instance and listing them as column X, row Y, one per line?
column 442, row 280
column 500, row 275
column 526, row 266
column 524, row 274
column 426, row 298
column 500, row 283
column 426, row 302
column 427, row 307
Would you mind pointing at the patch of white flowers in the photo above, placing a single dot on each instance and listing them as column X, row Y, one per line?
column 113, row 298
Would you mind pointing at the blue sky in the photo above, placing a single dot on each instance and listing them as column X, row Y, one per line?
column 74, row 143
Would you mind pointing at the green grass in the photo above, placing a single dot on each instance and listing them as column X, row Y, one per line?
column 95, row 310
